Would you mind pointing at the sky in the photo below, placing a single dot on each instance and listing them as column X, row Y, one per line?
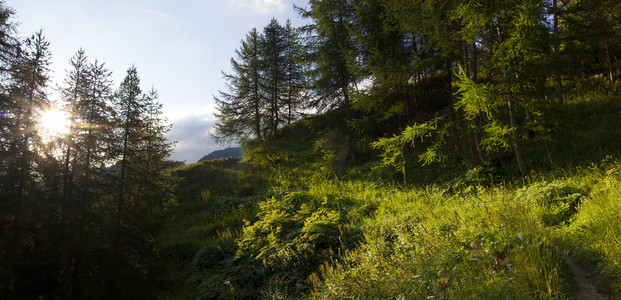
column 179, row 47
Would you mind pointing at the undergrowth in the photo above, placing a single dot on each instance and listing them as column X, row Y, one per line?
column 288, row 221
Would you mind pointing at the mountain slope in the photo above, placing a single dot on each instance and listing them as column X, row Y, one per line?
column 225, row 153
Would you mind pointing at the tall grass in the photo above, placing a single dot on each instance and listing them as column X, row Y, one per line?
column 421, row 243
column 289, row 222
column 594, row 235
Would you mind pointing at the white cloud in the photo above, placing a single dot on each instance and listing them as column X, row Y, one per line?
column 192, row 137
column 176, row 114
column 262, row 7
column 155, row 13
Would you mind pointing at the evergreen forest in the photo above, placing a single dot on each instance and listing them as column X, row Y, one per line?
column 391, row 149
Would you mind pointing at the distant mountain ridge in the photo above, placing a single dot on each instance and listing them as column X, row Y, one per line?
column 225, row 153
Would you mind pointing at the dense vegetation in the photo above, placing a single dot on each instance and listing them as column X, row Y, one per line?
column 463, row 149
column 82, row 177
column 298, row 225
column 392, row 149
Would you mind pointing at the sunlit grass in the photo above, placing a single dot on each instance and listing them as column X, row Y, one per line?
column 318, row 231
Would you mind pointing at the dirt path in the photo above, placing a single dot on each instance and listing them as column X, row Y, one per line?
column 585, row 285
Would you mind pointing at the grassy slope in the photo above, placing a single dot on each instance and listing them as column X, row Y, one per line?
column 289, row 222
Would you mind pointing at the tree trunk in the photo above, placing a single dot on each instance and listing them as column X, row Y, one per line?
column 83, row 206
column 451, row 114
column 519, row 155
column 452, row 131
column 18, row 192
column 257, row 108
column 348, row 152
column 475, row 122
column 116, row 250
column 609, row 59
column 557, row 73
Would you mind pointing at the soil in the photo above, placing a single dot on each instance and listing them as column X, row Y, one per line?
column 586, row 289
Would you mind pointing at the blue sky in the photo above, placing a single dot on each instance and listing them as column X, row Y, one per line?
column 179, row 47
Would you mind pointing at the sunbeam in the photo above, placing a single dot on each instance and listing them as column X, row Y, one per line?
column 54, row 123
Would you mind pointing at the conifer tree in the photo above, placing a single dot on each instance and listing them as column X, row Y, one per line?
column 384, row 62
column 9, row 43
column 154, row 187
column 73, row 91
column 128, row 120
column 27, row 96
column 329, row 44
column 592, row 40
column 241, row 109
column 7, row 140
column 91, row 83
column 294, row 82
column 273, row 60
column 142, row 190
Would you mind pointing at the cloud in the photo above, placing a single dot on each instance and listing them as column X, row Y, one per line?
column 155, row 13
column 262, row 7
column 152, row 13
column 193, row 140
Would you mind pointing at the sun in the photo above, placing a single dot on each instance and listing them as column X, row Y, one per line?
column 54, row 123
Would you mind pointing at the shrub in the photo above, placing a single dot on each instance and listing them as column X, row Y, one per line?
column 555, row 202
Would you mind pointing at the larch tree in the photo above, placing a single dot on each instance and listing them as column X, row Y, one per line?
column 154, row 189
column 27, row 97
column 142, row 190
column 9, row 46
column 74, row 90
column 129, row 108
column 241, row 108
column 328, row 46
column 87, row 92
column 294, row 82
column 272, row 61
column 384, row 62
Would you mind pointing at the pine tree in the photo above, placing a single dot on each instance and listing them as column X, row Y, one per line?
column 88, row 90
column 329, row 44
column 294, row 83
column 27, row 96
column 74, row 91
column 384, row 62
column 272, row 64
column 142, row 190
column 240, row 110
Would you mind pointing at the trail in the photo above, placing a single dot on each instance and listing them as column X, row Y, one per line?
column 585, row 285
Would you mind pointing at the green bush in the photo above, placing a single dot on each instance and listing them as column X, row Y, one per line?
column 294, row 235
column 555, row 202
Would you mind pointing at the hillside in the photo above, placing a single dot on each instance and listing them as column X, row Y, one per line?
column 456, row 150
column 224, row 153
column 289, row 221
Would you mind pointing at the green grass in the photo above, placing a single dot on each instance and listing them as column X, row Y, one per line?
column 356, row 239
column 288, row 221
